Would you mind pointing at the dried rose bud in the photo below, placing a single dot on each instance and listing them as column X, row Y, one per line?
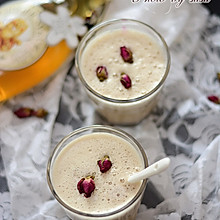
column 104, row 164
column 102, row 73
column 23, row 112
column 28, row 112
column 126, row 54
column 86, row 186
column 214, row 99
column 125, row 80
column 218, row 76
column 40, row 113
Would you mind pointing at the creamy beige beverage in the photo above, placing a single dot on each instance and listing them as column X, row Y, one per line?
column 102, row 67
column 146, row 71
column 112, row 193
column 112, row 189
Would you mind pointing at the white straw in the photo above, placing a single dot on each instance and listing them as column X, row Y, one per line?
column 153, row 169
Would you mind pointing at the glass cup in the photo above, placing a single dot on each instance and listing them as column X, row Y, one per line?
column 122, row 111
column 128, row 210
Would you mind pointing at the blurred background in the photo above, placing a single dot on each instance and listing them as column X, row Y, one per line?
column 213, row 6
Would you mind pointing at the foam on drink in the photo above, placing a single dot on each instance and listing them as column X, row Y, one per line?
column 146, row 71
column 79, row 159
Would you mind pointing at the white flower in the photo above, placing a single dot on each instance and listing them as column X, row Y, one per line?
column 63, row 26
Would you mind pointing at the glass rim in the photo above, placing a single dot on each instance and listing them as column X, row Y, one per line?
column 87, row 128
column 107, row 23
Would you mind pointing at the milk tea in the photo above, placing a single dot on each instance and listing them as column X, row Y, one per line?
column 78, row 159
column 147, row 71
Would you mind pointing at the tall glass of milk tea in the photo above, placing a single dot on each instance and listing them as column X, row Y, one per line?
column 88, row 174
column 122, row 65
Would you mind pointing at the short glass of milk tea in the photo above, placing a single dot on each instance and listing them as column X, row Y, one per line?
column 122, row 65
column 78, row 158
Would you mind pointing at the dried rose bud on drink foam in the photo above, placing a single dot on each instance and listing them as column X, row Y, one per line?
column 126, row 54
column 125, row 80
column 86, row 186
column 101, row 73
column 104, row 164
